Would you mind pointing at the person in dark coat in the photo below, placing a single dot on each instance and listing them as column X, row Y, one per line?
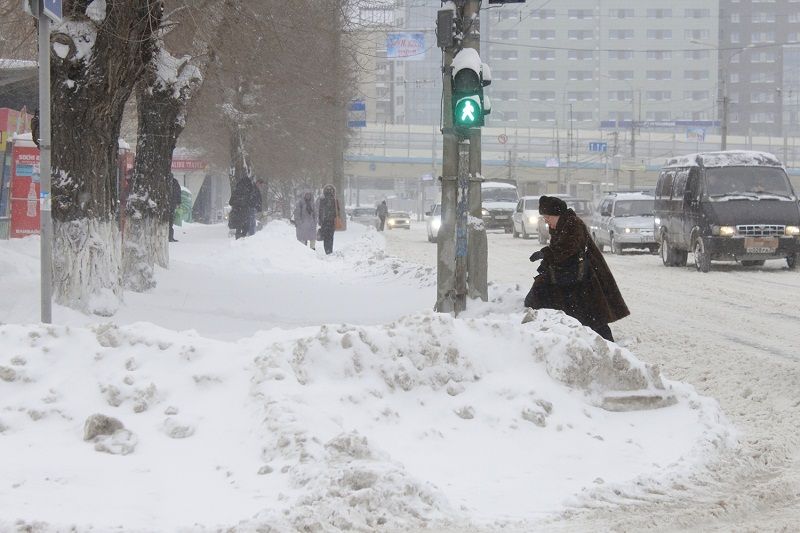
column 382, row 212
column 327, row 210
column 174, row 202
column 245, row 200
column 256, row 206
column 596, row 301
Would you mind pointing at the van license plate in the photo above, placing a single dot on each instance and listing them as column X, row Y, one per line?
column 760, row 245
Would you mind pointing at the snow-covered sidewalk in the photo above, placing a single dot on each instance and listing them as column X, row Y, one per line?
column 264, row 384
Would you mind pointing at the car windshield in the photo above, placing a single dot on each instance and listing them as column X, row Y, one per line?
column 499, row 195
column 437, row 210
column 747, row 181
column 532, row 205
column 633, row 208
column 581, row 207
column 363, row 211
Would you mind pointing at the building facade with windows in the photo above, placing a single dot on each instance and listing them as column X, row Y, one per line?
column 759, row 58
column 582, row 63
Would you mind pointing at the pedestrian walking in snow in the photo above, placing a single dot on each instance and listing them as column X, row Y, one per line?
column 328, row 213
column 382, row 212
column 174, row 201
column 573, row 275
column 305, row 220
column 245, row 200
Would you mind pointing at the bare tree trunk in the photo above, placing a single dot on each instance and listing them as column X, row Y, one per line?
column 90, row 88
column 147, row 220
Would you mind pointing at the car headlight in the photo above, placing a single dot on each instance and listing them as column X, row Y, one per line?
column 484, row 212
column 793, row 231
column 533, row 220
column 628, row 230
column 435, row 224
column 723, row 231
column 657, row 221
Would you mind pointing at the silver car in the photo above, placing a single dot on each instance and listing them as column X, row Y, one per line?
column 525, row 219
column 433, row 221
column 624, row 220
column 398, row 219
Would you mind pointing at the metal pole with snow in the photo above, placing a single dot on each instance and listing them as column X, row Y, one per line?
column 45, row 10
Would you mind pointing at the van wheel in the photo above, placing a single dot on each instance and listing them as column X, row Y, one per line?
column 616, row 249
column 680, row 257
column 702, row 261
column 753, row 263
column 667, row 254
column 791, row 261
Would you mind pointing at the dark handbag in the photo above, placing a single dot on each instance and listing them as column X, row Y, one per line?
column 575, row 271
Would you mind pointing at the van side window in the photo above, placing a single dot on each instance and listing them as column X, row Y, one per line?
column 679, row 184
column 693, row 184
column 664, row 187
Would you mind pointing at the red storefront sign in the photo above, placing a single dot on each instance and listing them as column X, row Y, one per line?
column 188, row 164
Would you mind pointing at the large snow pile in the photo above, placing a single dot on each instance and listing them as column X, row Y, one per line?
column 419, row 421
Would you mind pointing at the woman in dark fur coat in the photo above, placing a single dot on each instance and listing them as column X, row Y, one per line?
column 595, row 301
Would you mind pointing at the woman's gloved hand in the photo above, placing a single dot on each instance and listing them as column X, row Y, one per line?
column 536, row 256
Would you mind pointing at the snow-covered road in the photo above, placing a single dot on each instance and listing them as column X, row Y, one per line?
column 734, row 334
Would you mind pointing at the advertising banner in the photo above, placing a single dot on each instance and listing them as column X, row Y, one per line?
column 405, row 46
column 25, row 181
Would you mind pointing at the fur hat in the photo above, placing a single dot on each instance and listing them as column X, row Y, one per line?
column 552, row 206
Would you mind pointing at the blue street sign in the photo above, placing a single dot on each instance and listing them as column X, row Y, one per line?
column 357, row 114
column 52, row 8
column 598, row 147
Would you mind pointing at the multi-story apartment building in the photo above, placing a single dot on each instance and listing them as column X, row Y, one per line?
column 398, row 91
column 759, row 62
column 581, row 63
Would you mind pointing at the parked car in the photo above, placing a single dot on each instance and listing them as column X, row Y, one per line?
column 364, row 215
column 541, row 226
column 398, row 219
column 433, row 221
column 498, row 201
column 734, row 205
column 525, row 220
column 624, row 220
column 584, row 210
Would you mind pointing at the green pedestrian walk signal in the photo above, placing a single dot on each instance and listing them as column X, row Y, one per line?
column 470, row 76
column 468, row 112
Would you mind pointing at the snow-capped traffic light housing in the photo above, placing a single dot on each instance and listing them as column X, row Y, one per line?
column 470, row 76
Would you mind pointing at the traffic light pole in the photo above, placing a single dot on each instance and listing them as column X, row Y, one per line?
column 461, row 244
column 445, row 242
column 477, row 250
